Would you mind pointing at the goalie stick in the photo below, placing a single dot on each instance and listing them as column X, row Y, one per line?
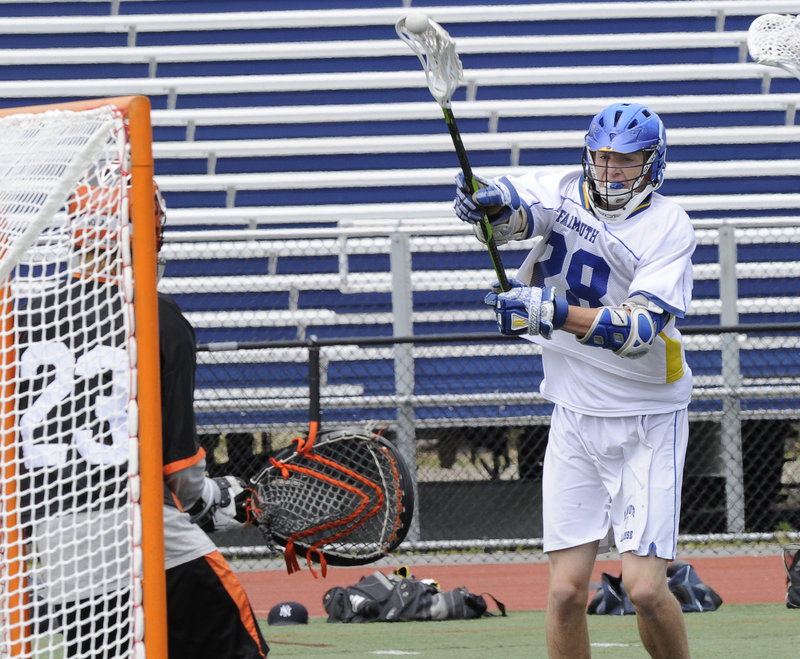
column 436, row 51
column 774, row 40
column 343, row 496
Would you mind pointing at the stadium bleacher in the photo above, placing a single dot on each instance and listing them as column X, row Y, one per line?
column 293, row 143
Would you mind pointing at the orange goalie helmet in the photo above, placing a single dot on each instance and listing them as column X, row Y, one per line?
column 92, row 209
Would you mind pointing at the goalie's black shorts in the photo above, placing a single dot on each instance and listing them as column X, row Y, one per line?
column 208, row 613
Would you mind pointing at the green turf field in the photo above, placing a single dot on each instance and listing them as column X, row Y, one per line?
column 734, row 631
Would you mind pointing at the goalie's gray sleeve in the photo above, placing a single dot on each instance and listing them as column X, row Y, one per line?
column 202, row 510
column 188, row 483
column 197, row 494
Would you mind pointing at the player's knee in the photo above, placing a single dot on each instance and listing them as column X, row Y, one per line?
column 649, row 598
column 566, row 596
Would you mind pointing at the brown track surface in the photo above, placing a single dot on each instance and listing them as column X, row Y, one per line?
column 520, row 586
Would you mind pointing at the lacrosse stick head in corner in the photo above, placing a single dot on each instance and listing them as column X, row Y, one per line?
column 774, row 40
column 346, row 500
column 437, row 53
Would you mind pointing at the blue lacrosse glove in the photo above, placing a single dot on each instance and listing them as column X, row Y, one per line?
column 466, row 208
column 497, row 199
column 527, row 310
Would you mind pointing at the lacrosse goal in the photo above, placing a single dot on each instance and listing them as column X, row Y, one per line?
column 81, row 491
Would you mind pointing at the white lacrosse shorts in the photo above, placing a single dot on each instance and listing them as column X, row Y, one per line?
column 625, row 472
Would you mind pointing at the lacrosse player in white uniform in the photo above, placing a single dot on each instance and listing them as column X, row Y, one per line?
column 600, row 293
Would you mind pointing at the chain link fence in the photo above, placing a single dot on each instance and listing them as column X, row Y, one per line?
column 405, row 345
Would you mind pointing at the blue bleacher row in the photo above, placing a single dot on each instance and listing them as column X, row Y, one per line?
column 312, row 118
column 456, row 390
column 160, row 23
column 512, row 149
column 385, row 54
column 231, row 284
column 378, row 86
column 386, row 80
column 345, row 272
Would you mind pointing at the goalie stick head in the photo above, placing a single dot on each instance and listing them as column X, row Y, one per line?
column 623, row 128
column 346, row 499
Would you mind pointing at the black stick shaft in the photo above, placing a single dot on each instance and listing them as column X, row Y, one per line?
column 314, row 411
column 486, row 226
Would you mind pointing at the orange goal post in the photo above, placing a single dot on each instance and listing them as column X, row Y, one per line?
column 81, row 487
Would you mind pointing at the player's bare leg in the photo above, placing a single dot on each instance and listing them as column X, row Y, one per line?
column 566, row 627
column 662, row 627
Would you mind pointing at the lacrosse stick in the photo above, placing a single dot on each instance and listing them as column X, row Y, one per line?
column 342, row 497
column 437, row 52
column 774, row 40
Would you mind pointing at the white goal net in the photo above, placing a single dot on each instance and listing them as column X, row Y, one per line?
column 70, row 541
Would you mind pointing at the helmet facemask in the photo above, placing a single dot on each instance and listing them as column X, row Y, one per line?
column 614, row 198
column 160, row 209
column 94, row 213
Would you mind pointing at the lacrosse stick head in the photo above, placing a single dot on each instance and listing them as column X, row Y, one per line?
column 437, row 53
column 347, row 500
column 774, row 40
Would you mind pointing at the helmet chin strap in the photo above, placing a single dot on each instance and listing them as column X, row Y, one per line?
column 621, row 213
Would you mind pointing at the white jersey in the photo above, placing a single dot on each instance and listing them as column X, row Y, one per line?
column 594, row 264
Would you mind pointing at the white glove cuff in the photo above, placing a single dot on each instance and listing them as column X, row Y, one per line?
column 534, row 305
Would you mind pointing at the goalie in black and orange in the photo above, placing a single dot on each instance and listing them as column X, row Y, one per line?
column 209, row 615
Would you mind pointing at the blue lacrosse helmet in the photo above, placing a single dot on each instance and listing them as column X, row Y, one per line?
column 625, row 128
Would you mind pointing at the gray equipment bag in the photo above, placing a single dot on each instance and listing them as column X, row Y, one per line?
column 395, row 598
column 683, row 581
column 791, row 563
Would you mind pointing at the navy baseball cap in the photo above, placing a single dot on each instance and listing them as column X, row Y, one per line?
column 288, row 613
